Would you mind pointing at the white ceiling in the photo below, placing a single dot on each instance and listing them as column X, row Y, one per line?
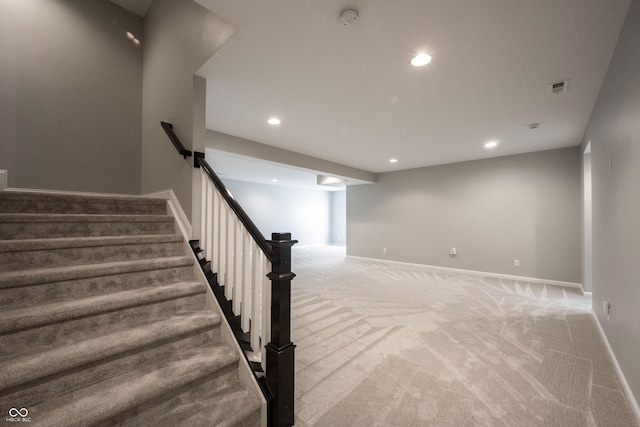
column 350, row 96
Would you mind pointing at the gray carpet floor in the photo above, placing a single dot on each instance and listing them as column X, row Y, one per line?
column 382, row 345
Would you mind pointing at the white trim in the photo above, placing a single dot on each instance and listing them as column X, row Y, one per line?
column 625, row 385
column 479, row 273
column 175, row 210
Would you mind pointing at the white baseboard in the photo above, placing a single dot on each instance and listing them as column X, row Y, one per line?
column 625, row 385
column 478, row 273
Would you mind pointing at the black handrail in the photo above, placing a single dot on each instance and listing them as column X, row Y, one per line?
column 168, row 128
column 235, row 206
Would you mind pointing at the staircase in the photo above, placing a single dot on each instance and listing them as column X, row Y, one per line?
column 103, row 321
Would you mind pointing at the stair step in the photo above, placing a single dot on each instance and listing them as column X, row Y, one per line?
column 59, row 323
column 220, row 403
column 58, row 274
column 46, row 285
column 40, row 375
column 39, row 202
column 18, row 226
column 28, row 317
column 105, row 400
column 16, row 255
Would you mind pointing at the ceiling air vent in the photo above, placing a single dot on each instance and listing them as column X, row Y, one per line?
column 559, row 87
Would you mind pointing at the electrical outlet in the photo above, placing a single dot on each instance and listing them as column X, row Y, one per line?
column 607, row 309
column 516, row 262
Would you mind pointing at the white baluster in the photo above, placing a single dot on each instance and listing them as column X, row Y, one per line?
column 266, row 309
column 256, row 307
column 247, row 279
column 217, row 231
column 204, row 243
column 209, row 224
column 222, row 223
column 238, row 292
column 231, row 252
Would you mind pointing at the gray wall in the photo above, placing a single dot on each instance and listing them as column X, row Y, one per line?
column 180, row 36
column 587, row 224
column 274, row 208
column 614, row 132
column 492, row 211
column 338, row 217
column 70, row 95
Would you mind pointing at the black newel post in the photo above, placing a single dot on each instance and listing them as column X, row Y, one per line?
column 280, row 350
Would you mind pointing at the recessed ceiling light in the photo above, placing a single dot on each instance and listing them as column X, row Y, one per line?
column 274, row 121
column 130, row 35
column 420, row 60
column 393, row 160
column 274, row 180
column 491, row 144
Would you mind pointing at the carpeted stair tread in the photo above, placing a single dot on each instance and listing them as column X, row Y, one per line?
column 102, row 401
column 20, row 201
column 27, row 317
column 84, row 242
column 57, row 274
column 30, row 367
column 21, row 255
column 18, row 226
column 218, row 409
column 108, row 218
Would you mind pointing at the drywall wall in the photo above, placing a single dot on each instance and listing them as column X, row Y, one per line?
column 70, row 95
column 180, row 36
column 614, row 132
column 338, row 217
column 274, row 208
column 524, row 207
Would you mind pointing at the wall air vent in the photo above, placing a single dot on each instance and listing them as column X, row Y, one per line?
column 559, row 87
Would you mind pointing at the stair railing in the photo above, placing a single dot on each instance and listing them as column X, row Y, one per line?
column 256, row 276
column 168, row 128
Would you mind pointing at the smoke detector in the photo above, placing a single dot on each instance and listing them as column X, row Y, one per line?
column 559, row 87
column 348, row 17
